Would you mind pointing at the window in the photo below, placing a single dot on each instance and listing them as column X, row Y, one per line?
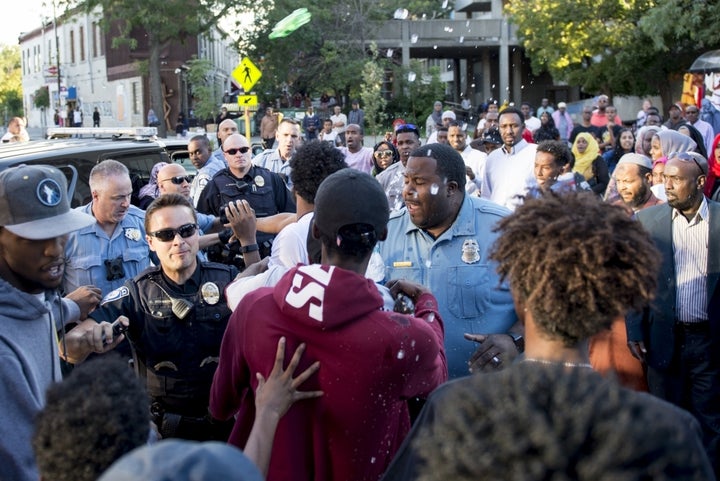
column 81, row 36
column 95, row 39
column 72, row 46
column 136, row 98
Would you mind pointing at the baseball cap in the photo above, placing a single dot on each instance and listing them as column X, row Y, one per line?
column 350, row 197
column 182, row 460
column 492, row 136
column 637, row 159
column 676, row 105
column 34, row 203
column 562, row 105
column 448, row 114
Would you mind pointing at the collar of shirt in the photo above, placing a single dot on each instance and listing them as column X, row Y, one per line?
column 515, row 148
column 191, row 286
column 700, row 215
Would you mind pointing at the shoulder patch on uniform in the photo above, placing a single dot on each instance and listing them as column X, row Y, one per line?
column 118, row 293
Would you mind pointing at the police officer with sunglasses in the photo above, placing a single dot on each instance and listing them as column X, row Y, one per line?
column 265, row 192
column 177, row 315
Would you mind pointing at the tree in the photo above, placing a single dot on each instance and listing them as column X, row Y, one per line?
column 164, row 22
column 42, row 97
column 330, row 53
column 11, row 104
column 414, row 93
column 371, row 92
column 203, row 91
column 634, row 47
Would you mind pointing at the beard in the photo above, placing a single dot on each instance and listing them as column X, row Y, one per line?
column 687, row 202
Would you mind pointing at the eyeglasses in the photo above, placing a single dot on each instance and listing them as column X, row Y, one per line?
column 179, row 179
column 383, row 153
column 403, row 128
column 687, row 157
column 242, row 150
column 166, row 235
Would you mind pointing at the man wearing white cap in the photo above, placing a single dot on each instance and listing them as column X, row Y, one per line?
column 563, row 121
column 35, row 220
column 447, row 117
column 633, row 176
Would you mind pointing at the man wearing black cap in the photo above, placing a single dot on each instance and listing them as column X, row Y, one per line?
column 35, row 220
column 372, row 361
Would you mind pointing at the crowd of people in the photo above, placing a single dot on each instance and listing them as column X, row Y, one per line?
column 534, row 300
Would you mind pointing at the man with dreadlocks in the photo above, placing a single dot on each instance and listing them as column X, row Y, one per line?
column 550, row 415
column 441, row 240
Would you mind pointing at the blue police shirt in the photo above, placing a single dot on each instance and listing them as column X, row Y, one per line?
column 456, row 268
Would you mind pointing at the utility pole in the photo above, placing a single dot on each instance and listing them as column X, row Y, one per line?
column 57, row 55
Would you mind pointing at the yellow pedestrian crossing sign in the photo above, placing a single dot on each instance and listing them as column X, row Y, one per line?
column 246, row 74
column 247, row 100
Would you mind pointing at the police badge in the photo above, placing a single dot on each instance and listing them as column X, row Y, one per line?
column 470, row 251
column 210, row 293
column 132, row 233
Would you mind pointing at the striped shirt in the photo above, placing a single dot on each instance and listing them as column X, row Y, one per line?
column 690, row 254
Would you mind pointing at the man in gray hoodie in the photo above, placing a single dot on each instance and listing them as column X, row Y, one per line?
column 36, row 323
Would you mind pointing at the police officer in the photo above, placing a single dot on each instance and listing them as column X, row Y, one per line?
column 265, row 191
column 177, row 315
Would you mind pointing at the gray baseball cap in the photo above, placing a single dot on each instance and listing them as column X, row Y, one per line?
column 34, row 203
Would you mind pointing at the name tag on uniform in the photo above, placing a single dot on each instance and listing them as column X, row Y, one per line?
column 402, row 264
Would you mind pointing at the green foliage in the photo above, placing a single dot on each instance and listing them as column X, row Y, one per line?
column 42, row 97
column 371, row 93
column 203, row 92
column 413, row 99
column 11, row 103
column 632, row 47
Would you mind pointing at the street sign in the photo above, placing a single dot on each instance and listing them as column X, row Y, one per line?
column 246, row 74
column 247, row 100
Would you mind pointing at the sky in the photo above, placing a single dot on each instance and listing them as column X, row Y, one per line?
column 23, row 17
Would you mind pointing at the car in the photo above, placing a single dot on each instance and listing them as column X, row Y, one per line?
column 77, row 156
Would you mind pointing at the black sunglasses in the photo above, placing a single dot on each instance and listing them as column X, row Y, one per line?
column 242, row 150
column 166, row 235
column 179, row 179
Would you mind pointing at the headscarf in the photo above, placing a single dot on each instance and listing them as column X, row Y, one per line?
column 152, row 189
column 395, row 156
column 640, row 135
column 673, row 141
column 437, row 116
column 714, row 170
column 583, row 162
column 697, row 137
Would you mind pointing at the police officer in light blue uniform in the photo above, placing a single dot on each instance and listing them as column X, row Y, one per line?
column 441, row 239
column 177, row 315
column 114, row 248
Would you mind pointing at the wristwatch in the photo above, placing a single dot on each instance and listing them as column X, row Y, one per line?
column 519, row 341
column 249, row 248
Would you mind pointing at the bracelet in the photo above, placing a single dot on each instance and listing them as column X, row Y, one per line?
column 249, row 248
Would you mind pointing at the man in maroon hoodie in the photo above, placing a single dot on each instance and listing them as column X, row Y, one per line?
column 371, row 360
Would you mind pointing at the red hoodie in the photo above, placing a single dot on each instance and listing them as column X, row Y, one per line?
column 371, row 362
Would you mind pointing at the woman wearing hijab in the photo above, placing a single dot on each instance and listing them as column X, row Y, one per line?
column 713, row 179
column 384, row 155
column 664, row 143
column 547, row 130
column 149, row 192
column 643, row 139
column 589, row 163
column 693, row 133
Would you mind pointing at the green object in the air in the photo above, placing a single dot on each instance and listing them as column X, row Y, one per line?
column 292, row 22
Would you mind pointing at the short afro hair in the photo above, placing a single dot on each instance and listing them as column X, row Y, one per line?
column 554, row 423
column 450, row 164
column 575, row 262
column 97, row 414
column 561, row 153
column 312, row 162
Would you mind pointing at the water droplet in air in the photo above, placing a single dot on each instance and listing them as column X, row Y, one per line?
column 462, row 39
column 401, row 14
column 411, row 76
column 414, row 38
column 445, row 4
column 390, row 52
column 400, row 354
column 430, row 317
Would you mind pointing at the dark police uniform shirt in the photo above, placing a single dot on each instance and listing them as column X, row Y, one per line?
column 177, row 357
column 265, row 191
